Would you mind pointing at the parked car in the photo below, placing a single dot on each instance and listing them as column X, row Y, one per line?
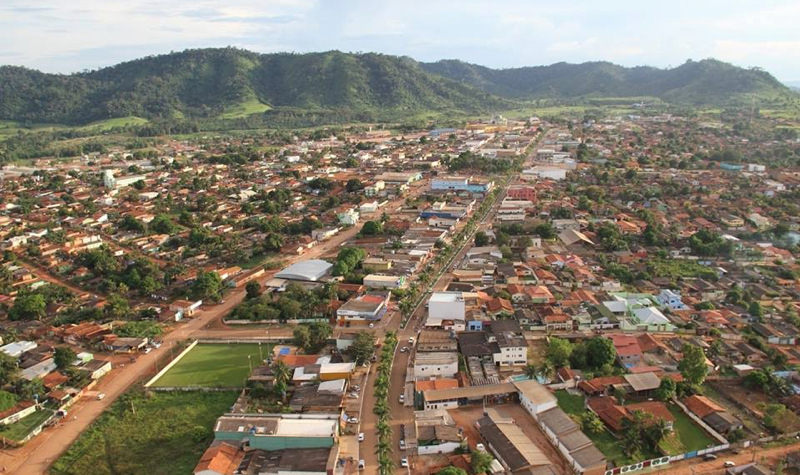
column 402, row 398
column 404, row 462
column 353, row 420
column 411, row 340
column 361, row 464
column 729, row 463
column 361, row 437
column 709, row 457
column 101, row 396
column 402, row 444
column 480, row 447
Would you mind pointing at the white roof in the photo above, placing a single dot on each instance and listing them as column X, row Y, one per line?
column 337, row 368
column 310, row 270
column 335, row 386
column 650, row 315
column 306, row 427
column 18, row 347
column 446, row 297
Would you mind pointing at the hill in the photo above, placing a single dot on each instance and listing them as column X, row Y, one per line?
column 232, row 82
column 694, row 82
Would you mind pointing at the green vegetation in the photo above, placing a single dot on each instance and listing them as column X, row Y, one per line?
column 157, row 433
column 20, row 429
column 243, row 109
column 382, row 385
column 215, row 365
column 295, row 303
column 698, row 82
column 313, row 337
column 235, row 85
column 113, row 123
column 680, row 268
column 690, row 434
column 141, row 329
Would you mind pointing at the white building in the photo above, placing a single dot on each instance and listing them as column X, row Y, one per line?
column 446, row 306
column 378, row 281
column 436, row 365
column 534, row 397
column 349, row 217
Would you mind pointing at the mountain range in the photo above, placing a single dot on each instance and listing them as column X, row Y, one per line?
column 211, row 83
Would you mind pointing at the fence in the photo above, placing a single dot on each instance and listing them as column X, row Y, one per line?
column 667, row 459
column 170, row 364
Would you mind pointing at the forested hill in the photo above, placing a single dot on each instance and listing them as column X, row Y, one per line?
column 208, row 82
column 228, row 82
column 694, row 82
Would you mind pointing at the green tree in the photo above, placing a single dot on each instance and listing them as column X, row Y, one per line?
column 755, row 309
column 451, row 470
column 162, row 224
column 7, row 400
column 481, row 239
column 666, row 390
column 281, row 372
column 693, row 365
column 372, row 228
column 302, row 336
column 117, row 307
column 558, row 352
column 600, row 352
column 591, row 423
column 9, row 371
column 363, row 347
column 273, row 242
column 480, row 462
column 252, row 289
column 28, row 307
column 63, row 357
column 207, row 285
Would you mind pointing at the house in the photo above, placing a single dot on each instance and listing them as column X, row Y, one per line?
column 220, row 459
column 513, row 449
column 671, row 299
column 278, row 431
column 348, row 217
column 369, row 308
column 184, row 308
column 96, row 368
column 378, row 281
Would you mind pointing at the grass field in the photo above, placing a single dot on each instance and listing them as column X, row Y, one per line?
column 163, row 433
column 109, row 124
column 251, row 106
column 20, row 429
column 214, row 365
column 690, row 434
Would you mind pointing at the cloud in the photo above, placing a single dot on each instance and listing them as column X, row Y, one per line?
column 60, row 36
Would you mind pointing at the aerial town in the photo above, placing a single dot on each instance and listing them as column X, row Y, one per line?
column 605, row 294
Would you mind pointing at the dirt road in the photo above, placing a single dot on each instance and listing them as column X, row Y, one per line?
column 696, row 466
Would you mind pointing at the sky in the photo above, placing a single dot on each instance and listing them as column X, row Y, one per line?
column 68, row 36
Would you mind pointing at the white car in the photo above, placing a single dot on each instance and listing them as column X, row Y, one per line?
column 480, row 447
column 362, row 464
column 101, row 396
column 402, row 398
column 402, row 444
column 411, row 340
column 729, row 463
column 404, row 462
column 361, row 437
column 353, row 420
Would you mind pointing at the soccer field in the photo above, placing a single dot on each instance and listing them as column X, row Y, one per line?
column 215, row 365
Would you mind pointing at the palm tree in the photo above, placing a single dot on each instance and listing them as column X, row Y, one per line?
column 281, row 372
column 546, row 370
column 531, row 371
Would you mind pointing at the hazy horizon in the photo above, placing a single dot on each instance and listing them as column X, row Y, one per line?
column 91, row 34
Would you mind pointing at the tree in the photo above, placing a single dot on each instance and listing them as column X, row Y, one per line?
column 591, row 423
column 281, row 372
column 755, row 309
column 319, row 333
column 600, row 352
column 693, row 365
column 302, row 336
column 451, row 470
column 372, row 228
column 531, row 371
column 558, row 352
column 7, row 400
column 162, row 224
column 273, row 242
column 666, row 390
column 207, row 285
column 480, row 462
column 353, row 185
column 63, row 357
column 362, row 347
column 28, row 307
column 481, row 239
column 117, row 307
column 253, row 289
column 9, row 371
